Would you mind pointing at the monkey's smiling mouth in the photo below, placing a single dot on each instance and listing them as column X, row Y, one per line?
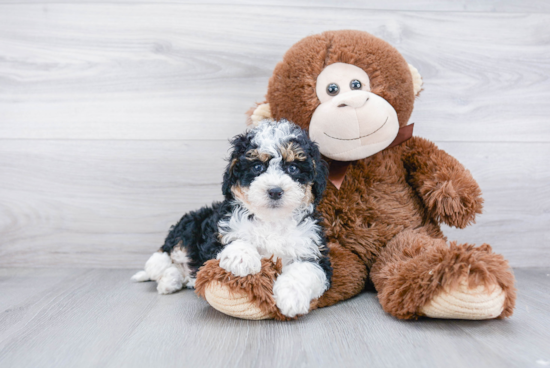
column 363, row 136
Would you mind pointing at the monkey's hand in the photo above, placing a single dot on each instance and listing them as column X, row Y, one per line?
column 452, row 200
column 448, row 190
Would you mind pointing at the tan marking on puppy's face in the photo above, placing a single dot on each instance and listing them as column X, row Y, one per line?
column 241, row 193
column 308, row 197
column 292, row 151
column 254, row 154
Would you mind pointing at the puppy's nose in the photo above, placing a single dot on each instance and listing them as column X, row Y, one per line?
column 353, row 99
column 275, row 193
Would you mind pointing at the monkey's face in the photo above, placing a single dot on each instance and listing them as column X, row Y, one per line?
column 352, row 92
column 351, row 122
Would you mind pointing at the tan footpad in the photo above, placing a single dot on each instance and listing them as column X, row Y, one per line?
column 233, row 303
column 464, row 303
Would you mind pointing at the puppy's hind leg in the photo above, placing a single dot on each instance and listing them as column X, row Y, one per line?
column 181, row 262
column 154, row 267
column 140, row 276
column 171, row 281
column 169, row 276
column 170, row 266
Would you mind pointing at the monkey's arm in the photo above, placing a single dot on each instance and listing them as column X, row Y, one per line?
column 448, row 190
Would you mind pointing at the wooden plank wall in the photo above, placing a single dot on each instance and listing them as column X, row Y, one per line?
column 114, row 116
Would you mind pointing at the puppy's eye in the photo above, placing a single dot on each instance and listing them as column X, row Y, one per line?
column 333, row 89
column 355, row 84
column 258, row 168
column 293, row 170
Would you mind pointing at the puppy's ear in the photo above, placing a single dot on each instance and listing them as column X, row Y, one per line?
column 239, row 144
column 321, row 173
column 229, row 179
column 320, row 181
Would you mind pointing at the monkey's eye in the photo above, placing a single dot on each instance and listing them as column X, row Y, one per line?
column 293, row 170
column 333, row 89
column 258, row 168
column 355, row 84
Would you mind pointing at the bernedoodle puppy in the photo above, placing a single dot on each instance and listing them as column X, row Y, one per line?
column 273, row 182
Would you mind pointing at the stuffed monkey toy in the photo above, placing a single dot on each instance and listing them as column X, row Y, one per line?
column 390, row 191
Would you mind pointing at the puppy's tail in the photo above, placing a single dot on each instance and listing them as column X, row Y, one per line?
column 141, row 276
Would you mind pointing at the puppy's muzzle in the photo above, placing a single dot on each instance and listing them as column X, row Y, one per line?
column 275, row 193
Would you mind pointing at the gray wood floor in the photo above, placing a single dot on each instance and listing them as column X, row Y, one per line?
column 98, row 318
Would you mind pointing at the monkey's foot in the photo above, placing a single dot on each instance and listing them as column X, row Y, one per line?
column 233, row 303
column 248, row 297
column 462, row 302
column 419, row 276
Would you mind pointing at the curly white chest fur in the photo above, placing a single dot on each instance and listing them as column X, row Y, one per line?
column 287, row 239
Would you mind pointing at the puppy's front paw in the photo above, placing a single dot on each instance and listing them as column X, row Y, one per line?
column 292, row 300
column 240, row 261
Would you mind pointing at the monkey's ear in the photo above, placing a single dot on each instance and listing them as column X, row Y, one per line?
column 417, row 80
column 256, row 114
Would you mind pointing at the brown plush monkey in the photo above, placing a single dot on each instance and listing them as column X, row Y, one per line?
column 355, row 93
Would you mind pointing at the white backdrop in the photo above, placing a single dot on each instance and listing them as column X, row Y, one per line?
column 114, row 117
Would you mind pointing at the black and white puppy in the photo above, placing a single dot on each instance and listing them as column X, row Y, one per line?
column 273, row 182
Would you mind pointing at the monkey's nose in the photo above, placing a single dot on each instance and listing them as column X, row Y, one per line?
column 353, row 99
column 275, row 193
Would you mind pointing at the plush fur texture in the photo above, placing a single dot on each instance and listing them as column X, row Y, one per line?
column 414, row 186
column 383, row 224
column 348, row 277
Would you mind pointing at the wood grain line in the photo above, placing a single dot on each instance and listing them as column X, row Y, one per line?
column 187, row 71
